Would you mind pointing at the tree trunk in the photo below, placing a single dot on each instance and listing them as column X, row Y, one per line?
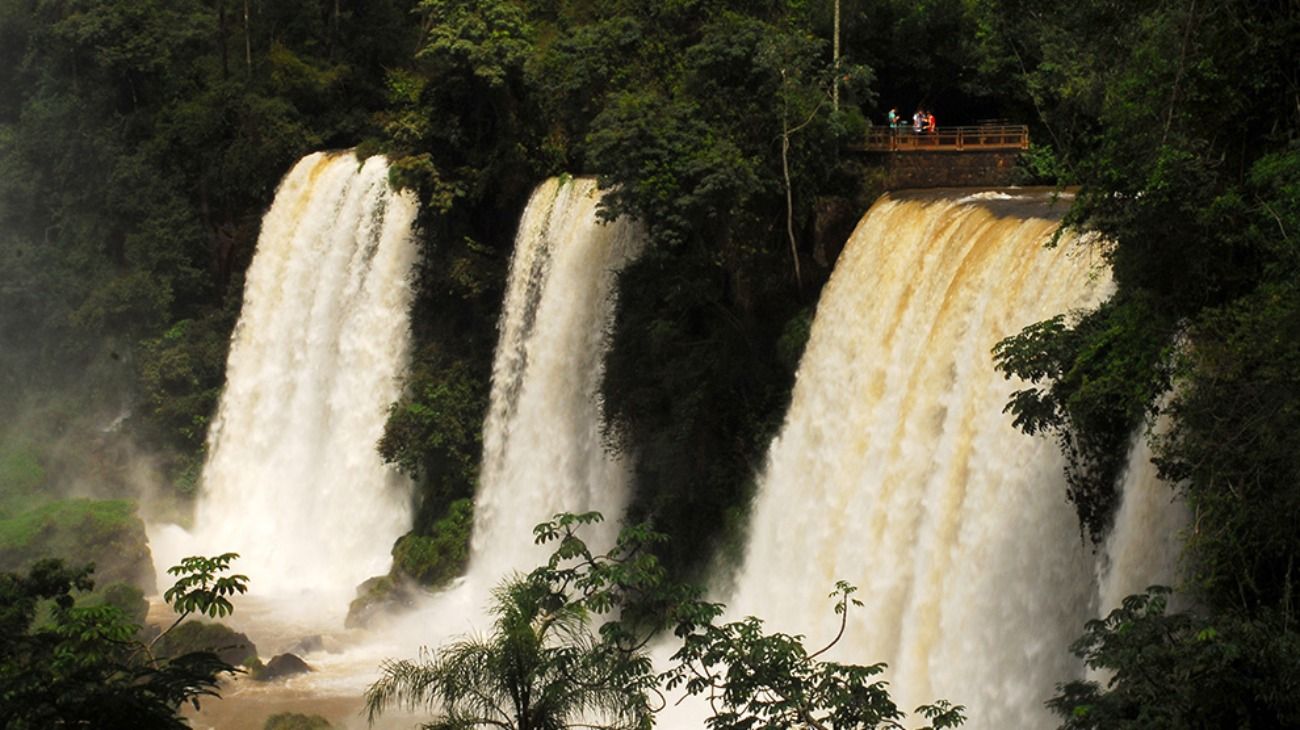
column 789, row 195
column 835, row 61
column 333, row 41
column 248, row 44
column 1178, row 78
column 221, row 39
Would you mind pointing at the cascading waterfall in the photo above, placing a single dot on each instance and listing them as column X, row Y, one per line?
column 897, row 471
column 1144, row 543
column 542, row 445
column 542, row 448
column 293, row 481
column 543, row 451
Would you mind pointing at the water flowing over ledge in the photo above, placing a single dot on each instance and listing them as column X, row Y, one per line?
column 543, row 450
column 293, row 481
column 897, row 471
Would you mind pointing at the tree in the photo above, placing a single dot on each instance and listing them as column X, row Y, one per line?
column 134, row 169
column 1182, row 153
column 567, row 650
column 460, row 131
column 757, row 680
column 696, row 138
column 198, row 588
column 539, row 669
column 1180, row 124
column 68, row 665
column 456, row 120
column 1170, row 671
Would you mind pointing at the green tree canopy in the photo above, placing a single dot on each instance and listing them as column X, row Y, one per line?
column 70, row 664
column 567, row 650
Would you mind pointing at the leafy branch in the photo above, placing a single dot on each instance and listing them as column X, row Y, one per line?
column 544, row 666
column 198, row 589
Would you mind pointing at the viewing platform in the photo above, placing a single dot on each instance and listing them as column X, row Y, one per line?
column 946, row 139
column 976, row 156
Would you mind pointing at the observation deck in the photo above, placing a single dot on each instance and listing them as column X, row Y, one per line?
column 984, row 137
column 978, row 156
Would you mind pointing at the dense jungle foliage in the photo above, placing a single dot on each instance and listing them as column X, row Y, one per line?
column 139, row 143
column 71, row 658
column 1181, row 124
column 140, row 140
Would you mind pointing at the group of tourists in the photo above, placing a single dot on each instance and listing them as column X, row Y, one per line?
column 922, row 121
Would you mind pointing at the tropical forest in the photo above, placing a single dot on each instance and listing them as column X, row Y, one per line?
column 618, row 364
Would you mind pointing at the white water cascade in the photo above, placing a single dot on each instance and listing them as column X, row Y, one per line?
column 1145, row 541
column 897, row 471
column 293, row 481
column 543, row 451
column 542, row 446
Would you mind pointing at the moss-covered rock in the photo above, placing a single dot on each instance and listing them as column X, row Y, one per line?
column 124, row 596
column 108, row 533
column 432, row 560
column 296, row 721
column 231, row 646
column 419, row 562
column 381, row 594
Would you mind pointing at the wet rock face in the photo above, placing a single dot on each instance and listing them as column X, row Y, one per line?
column 280, row 666
column 231, row 646
column 381, row 595
column 988, row 168
column 107, row 533
column 833, row 221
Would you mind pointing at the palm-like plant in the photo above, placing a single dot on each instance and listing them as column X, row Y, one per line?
column 541, row 668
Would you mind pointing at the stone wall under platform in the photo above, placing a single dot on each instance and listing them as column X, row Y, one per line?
column 972, row 168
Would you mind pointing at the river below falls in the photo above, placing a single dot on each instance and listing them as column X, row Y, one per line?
column 344, row 661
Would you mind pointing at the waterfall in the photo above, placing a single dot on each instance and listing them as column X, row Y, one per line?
column 542, row 446
column 292, row 480
column 897, row 471
column 542, row 439
column 1143, row 546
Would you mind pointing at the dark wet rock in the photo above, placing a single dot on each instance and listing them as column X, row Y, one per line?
column 380, row 595
column 231, row 646
column 280, row 666
column 833, row 220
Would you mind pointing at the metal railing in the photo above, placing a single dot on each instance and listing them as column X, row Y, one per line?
column 947, row 139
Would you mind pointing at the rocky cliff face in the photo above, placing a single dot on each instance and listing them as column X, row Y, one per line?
column 985, row 168
column 108, row 533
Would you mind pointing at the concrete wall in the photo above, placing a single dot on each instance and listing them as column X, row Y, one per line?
column 985, row 168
